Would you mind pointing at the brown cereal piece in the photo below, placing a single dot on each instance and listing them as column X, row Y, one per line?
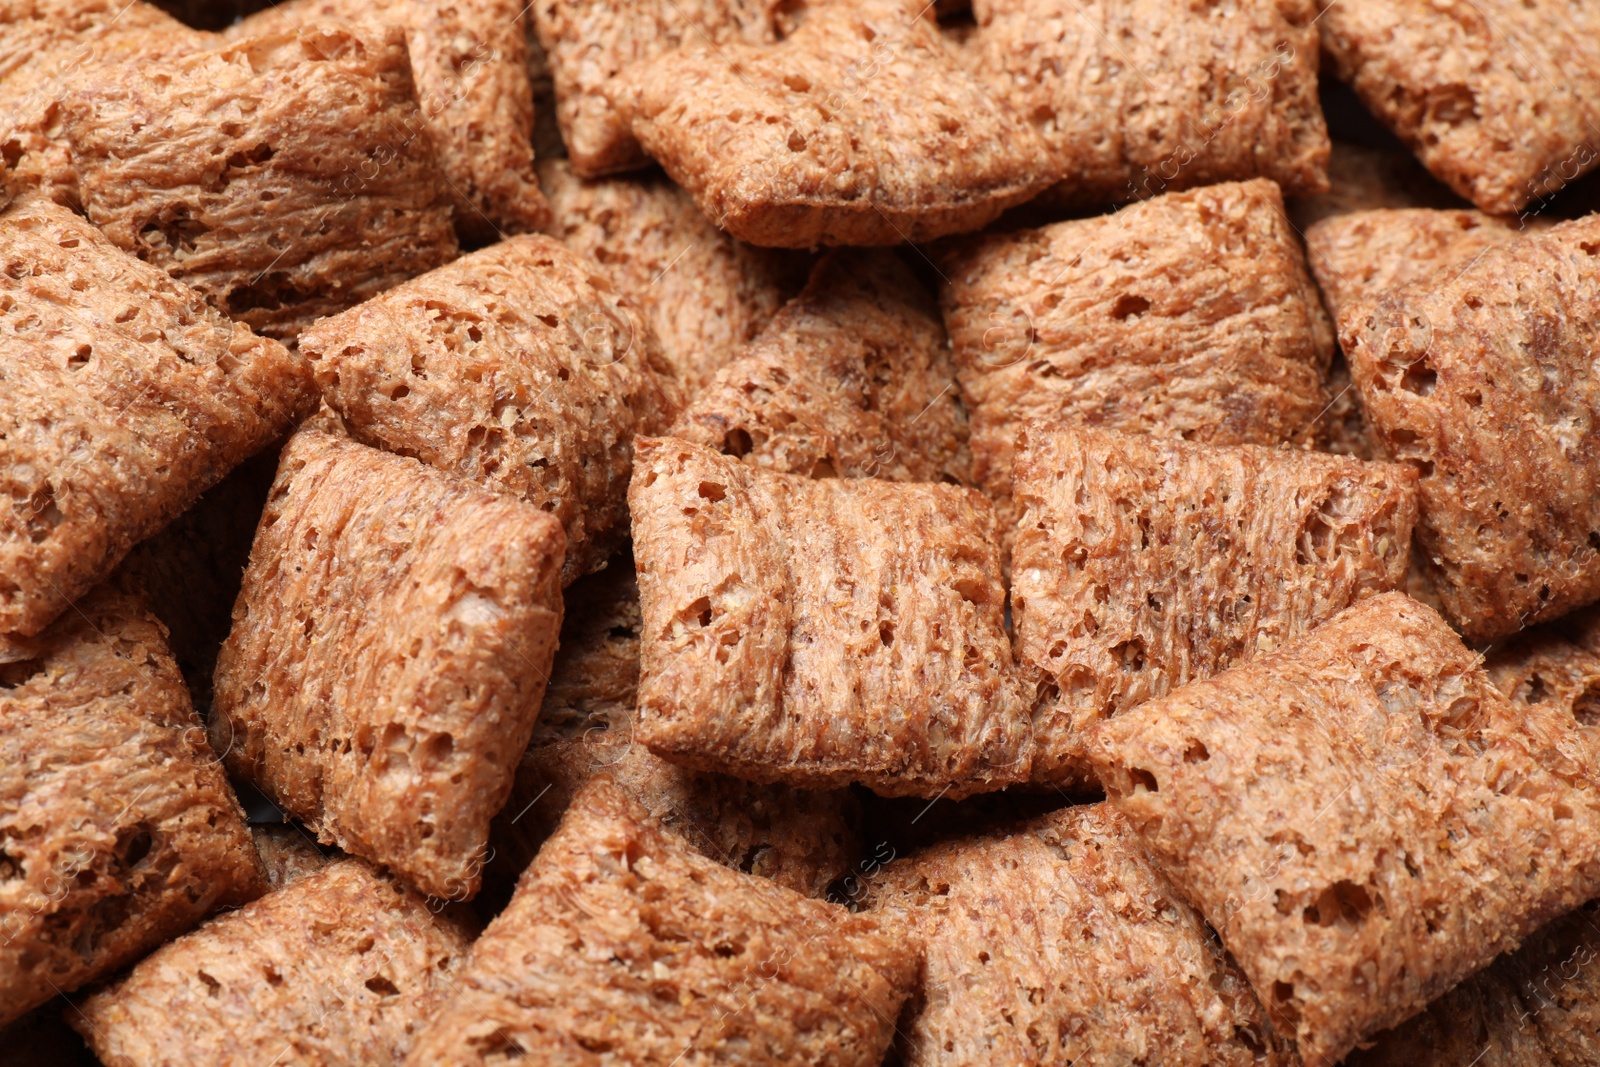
column 469, row 61
column 288, row 853
column 860, row 128
column 1557, row 663
column 389, row 651
column 341, row 966
column 799, row 839
column 1057, row 942
column 1142, row 564
column 1486, row 382
column 123, row 397
column 622, row 937
column 1363, row 254
column 590, row 43
column 1362, row 178
column 285, row 176
column 1137, row 97
column 518, row 366
column 1362, row 815
column 1536, row 1007
column 45, row 46
column 852, row 378
column 1490, row 95
column 819, row 632
column 706, row 294
column 1190, row 315
column 192, row 568
column 117, row 827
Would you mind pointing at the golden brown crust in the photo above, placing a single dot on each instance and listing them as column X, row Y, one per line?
column 286, row 176
column 389, row 651
column 1190, row 315
column 1361, row 178
column 1361, row 255
column 799, row 839
column 123, row 397
column 117, row 827
column 518, row 366
column 1362, row 815
column 342, row 966
column 590, row 43
column 469, row 62
column 852, row 378
column 1058, row 942
column 820, row 632
column 622, row 938
column 1485, row 381
column 1138, row 97
column 706, row 294
column 860, row 128
column 1142, row 564
column 48, row 45
column 1489, row 94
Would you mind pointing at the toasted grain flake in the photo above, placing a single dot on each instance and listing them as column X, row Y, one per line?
column 799, row 839
column 46, row 46
column 1363, row 254
column 123, row 397
column 1490, row 95
column 469, row 61
column 518, row 366
column 860, row 128
column 1363, row 816
column 286, row 176
column 389, row 651
column 1057, row 942
column 622, row 938
column 1361, row 178
column 706, row 294
column 1142, row 564
column 819, row 632
column 1190, row 315
column 852, row 378
column 341, row 966
column 1486, row 382
column 117, row 827
column 1133, row 99
column 590, row 43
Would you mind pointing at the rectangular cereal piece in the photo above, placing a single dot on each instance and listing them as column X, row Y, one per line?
column 1491, row 95
column 1189, row 315
column 852, row 378
column 706, row 294
column 590, row 43
column 859, row 128
column 1363, row 817
column 1138, row 97
column 389, row 651
column 340, row 966
column 286, row 176
column 518, row 366
column 1057, row 942
column 47, row 44
column 1361, row 255
column 800, row 839
column 1143, row 563
column 1486, row 382
column 1536, row 1007
column 1363, row 178
column 623, row 937
column 123, row 397
column 469, row 62
column 822, row 632
column 118, row 829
